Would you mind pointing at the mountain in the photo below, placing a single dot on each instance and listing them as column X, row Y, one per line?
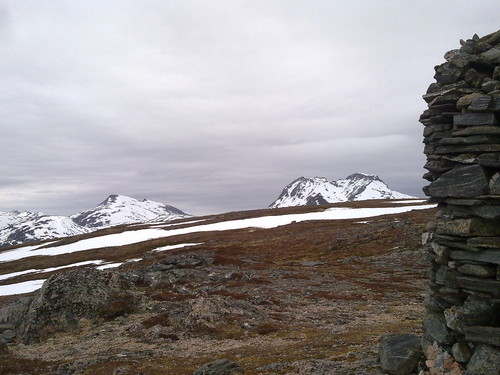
column 10, row 221
column 119, row 209
column 40, row 228
column 306, row 191
column 18, row 227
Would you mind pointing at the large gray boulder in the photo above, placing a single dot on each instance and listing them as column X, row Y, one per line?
column 67, row 297
column 399, row 354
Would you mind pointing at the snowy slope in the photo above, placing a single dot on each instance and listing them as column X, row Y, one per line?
column 16, row 217
column 40, row 228
column 306, row 191
column 119, row 209
column 18, row 227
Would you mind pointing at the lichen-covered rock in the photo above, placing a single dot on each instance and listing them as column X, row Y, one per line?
column 400, row 353
column 67, row 297
column 484, row 361
column 14, row 313
column 219, row 367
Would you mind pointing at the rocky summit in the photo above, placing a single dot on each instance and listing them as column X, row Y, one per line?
column 306, row 191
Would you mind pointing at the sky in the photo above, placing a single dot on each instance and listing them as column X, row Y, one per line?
column 215, row 106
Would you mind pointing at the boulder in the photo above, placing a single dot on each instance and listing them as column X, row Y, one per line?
column 219, row 367
column 67, row 297
column 14, row 313
column 484, row 361
column 400, row 353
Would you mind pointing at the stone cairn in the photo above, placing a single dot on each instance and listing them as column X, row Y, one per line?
column 462, row 144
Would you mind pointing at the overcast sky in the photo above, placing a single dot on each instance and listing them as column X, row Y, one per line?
column 215, row 106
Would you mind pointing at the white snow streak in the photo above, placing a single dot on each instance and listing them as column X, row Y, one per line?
column 130, row 237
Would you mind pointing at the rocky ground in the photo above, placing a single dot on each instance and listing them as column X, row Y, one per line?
column 305, row 298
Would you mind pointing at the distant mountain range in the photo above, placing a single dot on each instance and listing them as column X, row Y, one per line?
column 306, row 191
column 18, row 227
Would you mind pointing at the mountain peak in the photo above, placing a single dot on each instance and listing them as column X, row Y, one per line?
column 306, row 191
column 120, row 209
column 359, row 176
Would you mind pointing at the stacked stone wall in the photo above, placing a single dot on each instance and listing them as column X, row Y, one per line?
column 462, row 144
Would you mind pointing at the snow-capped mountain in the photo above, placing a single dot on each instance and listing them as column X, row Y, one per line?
column 306, row 191
column 16, row 217
column 41, row 228
column 119, row 209
column 18, row 227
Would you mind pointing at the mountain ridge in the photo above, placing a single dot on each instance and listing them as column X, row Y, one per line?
column 306, row 191
column 17, row 227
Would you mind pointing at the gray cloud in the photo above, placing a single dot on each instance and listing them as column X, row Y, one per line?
column 215, row 106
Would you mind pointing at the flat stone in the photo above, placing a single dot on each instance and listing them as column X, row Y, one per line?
column 434, row 128
column 443, row 118
column 476, row 130
column 461, row 158
column 477, row 270
column 488, row 242
column 484, row 361
column 483, row 334
column 489, row 160
column 492, row 39
column 492, row 56
column 475, row 311
column 400, row 353
column 488, row 286
column 460, row 182
column 475, row 119
column 480, row 104
column 473, row 227
column 470, row 140
column 444, row 99
column 487, row 256
column 458, row 245
column 487, row 212
column 439, row 166
column 490, row 85
column 444, row 150
column 466, row 100
column 465, row 202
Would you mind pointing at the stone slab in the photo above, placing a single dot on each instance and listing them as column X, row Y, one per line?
column 486, row 256
column 483, row 334
column 475, row 119
column 460, row 182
